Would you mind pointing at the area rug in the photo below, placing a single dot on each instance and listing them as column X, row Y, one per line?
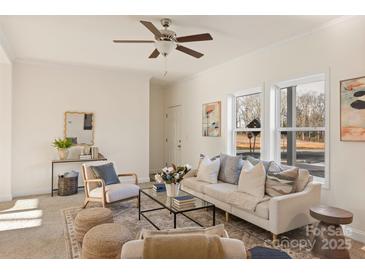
column 294, row 243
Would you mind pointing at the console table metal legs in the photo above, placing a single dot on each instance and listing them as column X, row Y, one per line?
column 52, row 180
column 100, row 158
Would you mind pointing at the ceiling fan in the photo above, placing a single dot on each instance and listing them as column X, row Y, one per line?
column 166, row 40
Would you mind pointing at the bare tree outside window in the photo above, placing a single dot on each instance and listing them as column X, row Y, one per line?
column 248, row 125
column 302, row 112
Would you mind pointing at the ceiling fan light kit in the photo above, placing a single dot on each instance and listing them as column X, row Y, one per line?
column 165, row 47
column 166, row 40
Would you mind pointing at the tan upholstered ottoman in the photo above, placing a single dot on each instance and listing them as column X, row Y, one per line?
column 90, row 217
column 105, row 241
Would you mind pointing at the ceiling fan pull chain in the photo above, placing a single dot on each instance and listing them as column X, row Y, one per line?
column 165, row 65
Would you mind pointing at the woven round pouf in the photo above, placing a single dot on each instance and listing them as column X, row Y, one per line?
column 90, row 217
column 105, row 241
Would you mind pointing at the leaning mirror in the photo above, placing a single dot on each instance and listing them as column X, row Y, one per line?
column 79, row 127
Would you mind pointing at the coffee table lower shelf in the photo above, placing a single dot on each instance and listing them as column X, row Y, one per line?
column 175, row 212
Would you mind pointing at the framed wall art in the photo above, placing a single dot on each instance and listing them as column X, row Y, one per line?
column 211, row 120
column 352, row 102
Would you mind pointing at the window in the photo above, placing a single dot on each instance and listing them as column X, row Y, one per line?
column 247, row 123
column 288, row 123
column 301, row 125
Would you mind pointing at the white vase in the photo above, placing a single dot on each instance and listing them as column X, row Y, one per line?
column 63, row 153
column 172, row 190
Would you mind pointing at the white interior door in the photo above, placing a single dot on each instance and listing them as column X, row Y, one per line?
column 173, row 135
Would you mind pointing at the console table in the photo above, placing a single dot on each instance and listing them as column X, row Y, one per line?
column 54, row 162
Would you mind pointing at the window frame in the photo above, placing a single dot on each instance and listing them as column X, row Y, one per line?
column 247, row 92
column 278, row 129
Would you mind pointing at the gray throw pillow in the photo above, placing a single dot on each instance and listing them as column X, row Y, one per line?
column 106, row 173
column 230, row 168
column 255, row 161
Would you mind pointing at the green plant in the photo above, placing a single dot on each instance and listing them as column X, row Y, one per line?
column 62, row 143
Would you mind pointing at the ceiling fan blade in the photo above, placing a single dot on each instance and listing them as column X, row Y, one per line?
column 133, row 41
column 195, row 38
column 152, row 28
column 189, row 51
column 154, row 54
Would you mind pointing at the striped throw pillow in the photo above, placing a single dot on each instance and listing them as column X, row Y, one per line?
column 282, row 182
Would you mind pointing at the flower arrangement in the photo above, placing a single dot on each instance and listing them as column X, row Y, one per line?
column 172, row 174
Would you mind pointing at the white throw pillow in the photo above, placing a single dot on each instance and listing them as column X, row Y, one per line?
column 252, row 179
column 208, row 170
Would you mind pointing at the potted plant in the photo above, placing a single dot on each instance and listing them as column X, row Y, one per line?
column 172, row 177
column 62, row 146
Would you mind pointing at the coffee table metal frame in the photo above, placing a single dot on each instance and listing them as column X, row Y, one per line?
column 171, row 209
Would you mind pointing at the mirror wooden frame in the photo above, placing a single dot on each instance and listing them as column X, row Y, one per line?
column 83, row 113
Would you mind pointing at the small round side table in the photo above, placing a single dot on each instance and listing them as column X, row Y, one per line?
column 329, row 241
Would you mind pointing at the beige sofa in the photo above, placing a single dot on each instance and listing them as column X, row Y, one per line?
column 232, row 248
column 277, row 214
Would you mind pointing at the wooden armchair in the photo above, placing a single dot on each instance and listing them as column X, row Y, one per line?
column 97, row 191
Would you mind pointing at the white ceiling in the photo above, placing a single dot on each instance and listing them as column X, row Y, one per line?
column 88, row 39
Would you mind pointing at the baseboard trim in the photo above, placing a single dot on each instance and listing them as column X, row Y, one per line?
column 34, row 191
column 354, row 233
column 5, row 198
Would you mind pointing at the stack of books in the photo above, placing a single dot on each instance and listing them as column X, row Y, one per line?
column 160, row 187
column 85, row 157
column 184, row 202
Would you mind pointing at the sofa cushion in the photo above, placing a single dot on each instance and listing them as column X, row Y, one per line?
column 245, row 201
column 230, row 168
column 116, row 192
column 194, row 184
column 220, row 191
column 252, row 179
column 262, row 210
column 208, row 170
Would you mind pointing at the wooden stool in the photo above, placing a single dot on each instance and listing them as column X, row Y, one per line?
column 330, row 242
column 90, row 217
column 105, row 241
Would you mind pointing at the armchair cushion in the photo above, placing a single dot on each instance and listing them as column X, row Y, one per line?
column 116, row 192
column 107, row 173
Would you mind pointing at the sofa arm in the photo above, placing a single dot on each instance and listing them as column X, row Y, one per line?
column 291, row 211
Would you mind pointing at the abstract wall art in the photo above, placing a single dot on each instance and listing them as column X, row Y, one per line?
column 352, row 101
column 212, row 119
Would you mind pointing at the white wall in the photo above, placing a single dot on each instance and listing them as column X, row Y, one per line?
column 41, row 95
column 5, row 131
column 338, row 48
column 157, row 129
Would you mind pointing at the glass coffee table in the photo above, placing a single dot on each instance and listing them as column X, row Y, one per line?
column 167, row 203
